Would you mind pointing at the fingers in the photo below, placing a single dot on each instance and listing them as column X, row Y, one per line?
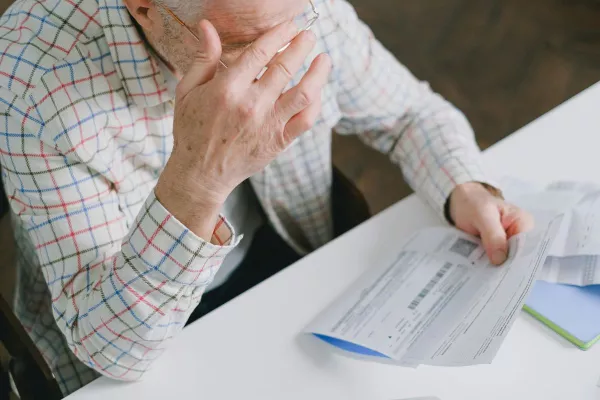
column 252, row 61
column 515, row 221
column 492, row 235
column 207, row 52
column 305, row 93
column 285, row 65
column 302, row 122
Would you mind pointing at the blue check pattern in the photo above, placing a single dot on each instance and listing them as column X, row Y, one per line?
column 107, row 276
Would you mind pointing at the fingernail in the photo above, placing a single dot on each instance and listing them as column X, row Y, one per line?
column 498, row 257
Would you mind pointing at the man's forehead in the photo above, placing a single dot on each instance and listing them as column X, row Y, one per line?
column 242, row 21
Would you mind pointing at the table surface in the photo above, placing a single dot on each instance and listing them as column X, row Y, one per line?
column 253, row 347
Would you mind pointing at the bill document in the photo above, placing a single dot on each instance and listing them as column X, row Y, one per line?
column 440, row 301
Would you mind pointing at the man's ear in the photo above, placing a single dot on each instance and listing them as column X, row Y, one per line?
column 144, row 12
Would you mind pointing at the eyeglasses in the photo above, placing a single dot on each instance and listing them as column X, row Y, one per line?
column 310, row 22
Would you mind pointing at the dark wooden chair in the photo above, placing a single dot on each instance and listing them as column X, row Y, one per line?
column 349, row 206
column 30, row 373
column 28, row 369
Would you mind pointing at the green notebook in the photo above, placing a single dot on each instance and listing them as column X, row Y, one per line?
column 571, row 311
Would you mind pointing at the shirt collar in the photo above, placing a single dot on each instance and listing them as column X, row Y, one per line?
column 136, row 66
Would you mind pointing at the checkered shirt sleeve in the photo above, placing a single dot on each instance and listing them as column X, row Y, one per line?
column 119, row 289
column 398, row 115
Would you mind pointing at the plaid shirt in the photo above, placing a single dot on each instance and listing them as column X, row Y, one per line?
column 106, row 275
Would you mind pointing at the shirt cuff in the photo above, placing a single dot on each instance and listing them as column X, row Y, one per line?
column 447, row 178
column 167, row 246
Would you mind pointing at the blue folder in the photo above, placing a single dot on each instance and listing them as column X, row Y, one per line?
column 349, row 346
column 571, row 311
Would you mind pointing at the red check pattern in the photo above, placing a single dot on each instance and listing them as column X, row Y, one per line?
column 107, row 275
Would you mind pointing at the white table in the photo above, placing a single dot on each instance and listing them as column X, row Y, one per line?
column 251, row 348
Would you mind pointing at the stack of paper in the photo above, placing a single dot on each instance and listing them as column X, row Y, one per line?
column 575, row 254
column 440, row 302
column 569, row 301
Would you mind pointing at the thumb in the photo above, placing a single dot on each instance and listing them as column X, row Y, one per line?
column 206, row 52
column 493, row 236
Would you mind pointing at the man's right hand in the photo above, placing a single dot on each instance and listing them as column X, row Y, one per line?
column 228, row 125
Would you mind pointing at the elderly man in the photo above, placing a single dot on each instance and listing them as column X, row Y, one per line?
column 137, row 135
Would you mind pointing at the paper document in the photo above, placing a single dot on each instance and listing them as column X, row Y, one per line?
column 573, row 270
column 440, row 302
column 557, row 197
column 581, row 229
column 575, row 253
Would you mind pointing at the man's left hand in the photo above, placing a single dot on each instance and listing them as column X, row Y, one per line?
column 475, row 210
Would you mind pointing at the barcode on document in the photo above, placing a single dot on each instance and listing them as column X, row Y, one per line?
column 463, row 247
column 438, row 276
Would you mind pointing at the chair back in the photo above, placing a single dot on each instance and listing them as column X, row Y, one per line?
column 30, row 373
column 28, row 369
column 348, row 204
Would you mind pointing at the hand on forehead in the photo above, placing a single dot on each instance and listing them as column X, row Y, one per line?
column 240, row 22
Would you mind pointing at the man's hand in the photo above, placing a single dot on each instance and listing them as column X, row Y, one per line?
column 478, row 212
column 228, row 125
